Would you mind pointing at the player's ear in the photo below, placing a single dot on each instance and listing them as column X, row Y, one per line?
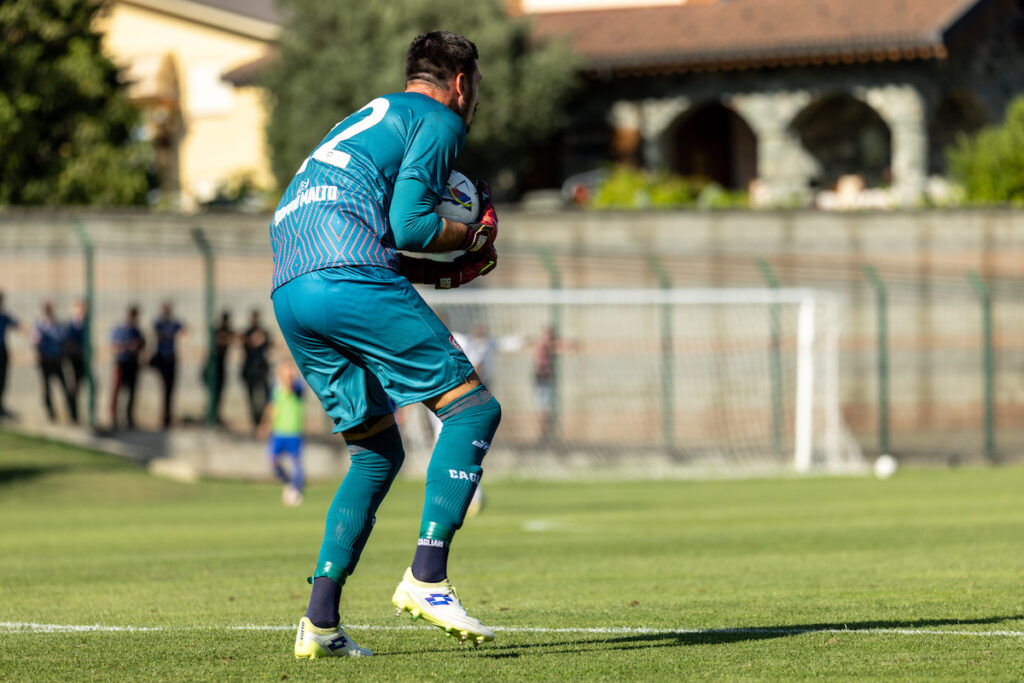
column 460, row 85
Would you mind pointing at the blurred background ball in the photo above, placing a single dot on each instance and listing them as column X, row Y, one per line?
column 885, row 466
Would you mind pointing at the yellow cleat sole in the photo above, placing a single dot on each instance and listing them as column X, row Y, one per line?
column 314, row 653
column 450, row 630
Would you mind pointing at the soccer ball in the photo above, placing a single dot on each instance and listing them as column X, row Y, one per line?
column 460, row 201
column 885, row 466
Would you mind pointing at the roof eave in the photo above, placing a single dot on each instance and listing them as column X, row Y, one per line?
column 212, row 16
column 731, row 60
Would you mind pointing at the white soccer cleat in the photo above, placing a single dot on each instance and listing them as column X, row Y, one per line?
column 438, row 604
column 312, row 643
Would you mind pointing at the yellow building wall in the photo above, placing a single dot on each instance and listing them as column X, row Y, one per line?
column 223, row 135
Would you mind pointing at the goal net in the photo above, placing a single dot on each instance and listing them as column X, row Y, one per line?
column 680, row 382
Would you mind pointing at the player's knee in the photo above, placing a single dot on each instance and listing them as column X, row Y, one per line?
column 381, row 454
column 493, row 410
column 369, row 427
column 478, row 409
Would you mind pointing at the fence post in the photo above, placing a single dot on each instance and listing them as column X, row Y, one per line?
column 882, row 313
column 667, row 379
column 208, row 292
column 775, row 358
column 90, row 296
column 984, row 294
column 555, row 283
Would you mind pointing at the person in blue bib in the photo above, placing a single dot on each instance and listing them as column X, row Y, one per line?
column 282, row 426
column 364, row 339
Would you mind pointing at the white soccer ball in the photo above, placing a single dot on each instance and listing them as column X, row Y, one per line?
column 460, row 200
column 885, row 466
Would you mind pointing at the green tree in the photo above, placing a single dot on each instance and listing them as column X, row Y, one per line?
column 65, row 123
column 337, row 56
column 990, row 164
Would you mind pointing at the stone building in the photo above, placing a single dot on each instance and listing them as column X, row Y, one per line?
column 799, row 101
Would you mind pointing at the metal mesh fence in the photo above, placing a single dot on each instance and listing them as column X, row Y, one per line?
column 952, row 390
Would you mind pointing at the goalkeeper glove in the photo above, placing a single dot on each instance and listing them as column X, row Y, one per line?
column 481, row 235
column 449, row 274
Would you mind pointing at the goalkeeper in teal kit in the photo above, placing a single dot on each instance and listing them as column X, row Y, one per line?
column 364, row 339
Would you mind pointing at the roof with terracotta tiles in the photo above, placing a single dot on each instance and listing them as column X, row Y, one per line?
column 705, row 34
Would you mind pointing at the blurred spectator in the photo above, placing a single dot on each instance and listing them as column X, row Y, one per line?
column 48, row 338
column 223, row 336
column 480, row 350
column 282, row 422
column 74, row 350
column 166, row 329
column 6, row 321
column 128, row 343
column 256, row 367
column 545, row 358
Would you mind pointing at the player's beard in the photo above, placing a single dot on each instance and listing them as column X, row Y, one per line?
column 468, row 112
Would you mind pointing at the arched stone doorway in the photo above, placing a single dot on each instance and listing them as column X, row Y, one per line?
column 845, row 137
column 715, row 142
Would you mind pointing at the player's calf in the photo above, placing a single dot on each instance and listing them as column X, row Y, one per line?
column 468, row 425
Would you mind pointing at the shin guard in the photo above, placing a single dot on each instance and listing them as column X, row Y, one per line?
column 374, row 463
column 468, row 425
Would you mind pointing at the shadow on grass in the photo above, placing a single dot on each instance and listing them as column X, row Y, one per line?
column 16, row 475
column 722, row 636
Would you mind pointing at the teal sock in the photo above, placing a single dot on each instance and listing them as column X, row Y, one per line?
column 374, row 463
column 469, row 423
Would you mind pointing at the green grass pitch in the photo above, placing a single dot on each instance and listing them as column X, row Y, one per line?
column 108, row 573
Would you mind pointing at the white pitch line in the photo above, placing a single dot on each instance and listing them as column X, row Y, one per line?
column 21, row 626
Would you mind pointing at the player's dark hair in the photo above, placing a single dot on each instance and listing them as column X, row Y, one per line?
column 438, row 57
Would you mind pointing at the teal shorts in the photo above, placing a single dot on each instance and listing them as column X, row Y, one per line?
column 366, row 342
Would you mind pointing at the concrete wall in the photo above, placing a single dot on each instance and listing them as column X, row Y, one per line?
column 934, row 316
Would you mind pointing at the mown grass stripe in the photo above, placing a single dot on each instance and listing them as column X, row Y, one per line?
column 16, row 626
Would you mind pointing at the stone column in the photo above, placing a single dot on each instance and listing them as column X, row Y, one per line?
column 656, row 119
column 784, row 168
column 902, row 107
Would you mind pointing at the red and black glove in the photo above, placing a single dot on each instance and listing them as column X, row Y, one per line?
column 449, row 274
column 481, row 235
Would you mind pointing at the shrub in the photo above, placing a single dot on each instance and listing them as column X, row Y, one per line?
column 990, row 164
column 628, row 187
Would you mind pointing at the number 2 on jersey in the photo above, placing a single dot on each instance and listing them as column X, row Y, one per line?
column 334, row 157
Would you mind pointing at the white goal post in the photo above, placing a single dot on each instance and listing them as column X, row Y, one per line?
column 653, row 382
